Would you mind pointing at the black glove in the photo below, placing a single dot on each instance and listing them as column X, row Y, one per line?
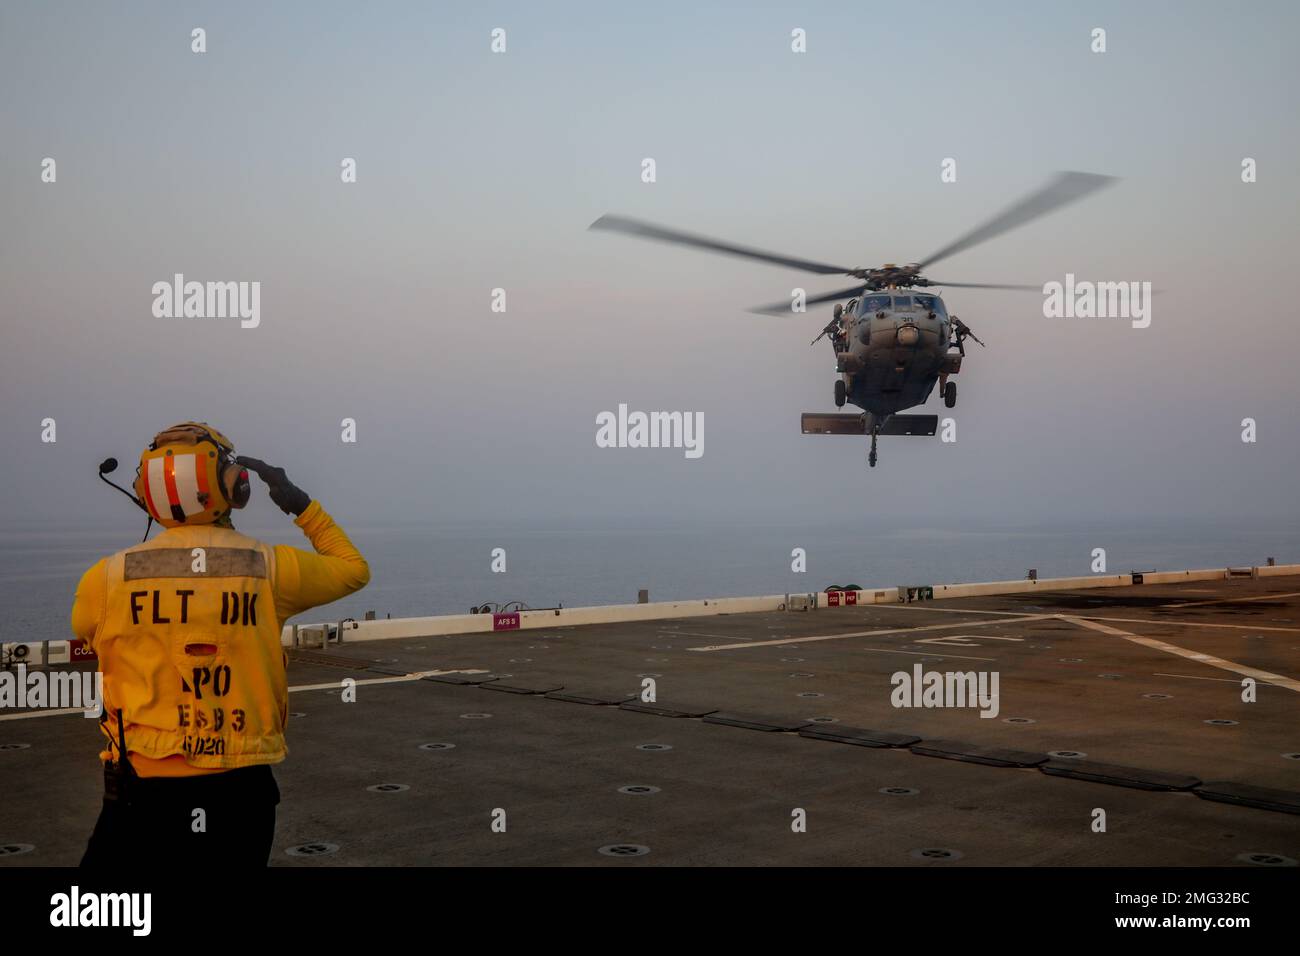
column 291, row 499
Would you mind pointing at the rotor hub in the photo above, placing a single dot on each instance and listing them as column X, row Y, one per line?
column 890, row 276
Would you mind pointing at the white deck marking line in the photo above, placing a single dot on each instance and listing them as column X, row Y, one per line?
column 925, row 606
column 1026, row 615
column 938, row 654
column 1226, row 680
column 875, row 633
column 725, row 637
column 952, row 640
column 1159, row 621
column 45, row 713
column 1276, row 679
column 1261, row 597
column 336, row 685
column 414, row 675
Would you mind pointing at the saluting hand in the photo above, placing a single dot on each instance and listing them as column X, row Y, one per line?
column 290, row 499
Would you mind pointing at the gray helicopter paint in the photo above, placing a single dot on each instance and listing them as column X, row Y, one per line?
column 896, row 356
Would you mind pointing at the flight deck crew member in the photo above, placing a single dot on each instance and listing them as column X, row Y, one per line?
column 187, row 630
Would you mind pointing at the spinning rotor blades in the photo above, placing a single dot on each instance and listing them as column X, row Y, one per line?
column 1062, row 190
column 646, row 230
column 1065, row 188
column 779, row 308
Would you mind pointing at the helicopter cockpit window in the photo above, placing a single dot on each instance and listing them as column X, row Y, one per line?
column 902, row 303
column 875, row 303
column 931, row 303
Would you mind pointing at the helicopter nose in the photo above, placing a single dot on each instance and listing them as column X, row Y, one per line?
column 908, row 335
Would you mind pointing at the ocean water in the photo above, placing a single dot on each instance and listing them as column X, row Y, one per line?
column 423, row 570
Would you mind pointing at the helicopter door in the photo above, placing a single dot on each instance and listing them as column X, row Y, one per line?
column 841, row 340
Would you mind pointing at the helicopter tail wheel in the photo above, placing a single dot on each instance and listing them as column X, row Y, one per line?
column 841, row 393
column 950, row 394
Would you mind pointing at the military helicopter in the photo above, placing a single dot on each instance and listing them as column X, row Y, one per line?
column 892, row 342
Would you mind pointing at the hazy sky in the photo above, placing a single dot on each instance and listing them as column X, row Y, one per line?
column 479, row 170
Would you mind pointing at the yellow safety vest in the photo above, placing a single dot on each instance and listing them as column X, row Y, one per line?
column 189, row 645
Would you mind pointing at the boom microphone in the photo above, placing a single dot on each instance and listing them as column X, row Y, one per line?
column 109, row 465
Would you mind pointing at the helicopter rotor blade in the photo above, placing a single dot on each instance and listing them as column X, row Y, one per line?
column 1065, row 188
column 784, row 308
column 985, row 285
column 646, row 230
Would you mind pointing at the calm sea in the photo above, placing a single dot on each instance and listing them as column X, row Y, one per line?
column 439, row 570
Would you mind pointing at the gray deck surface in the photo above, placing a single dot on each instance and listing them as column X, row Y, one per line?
column 726, row 793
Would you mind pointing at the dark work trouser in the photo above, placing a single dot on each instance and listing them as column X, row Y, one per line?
column 157, row 823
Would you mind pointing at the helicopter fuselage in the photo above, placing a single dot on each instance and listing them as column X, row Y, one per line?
column 894, row 340
column 891, row 348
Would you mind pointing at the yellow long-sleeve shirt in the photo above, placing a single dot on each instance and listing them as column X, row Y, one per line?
column 299, row 580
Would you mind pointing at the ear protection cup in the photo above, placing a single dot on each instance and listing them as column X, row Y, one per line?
column 234, row 484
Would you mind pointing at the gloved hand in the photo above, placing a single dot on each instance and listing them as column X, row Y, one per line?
column 290, row 499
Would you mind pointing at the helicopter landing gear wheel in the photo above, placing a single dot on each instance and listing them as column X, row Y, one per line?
column 950, row 394
column 871, row 457
column 841, row 393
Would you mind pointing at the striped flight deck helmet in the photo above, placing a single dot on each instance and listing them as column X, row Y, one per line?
column 188, row 476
